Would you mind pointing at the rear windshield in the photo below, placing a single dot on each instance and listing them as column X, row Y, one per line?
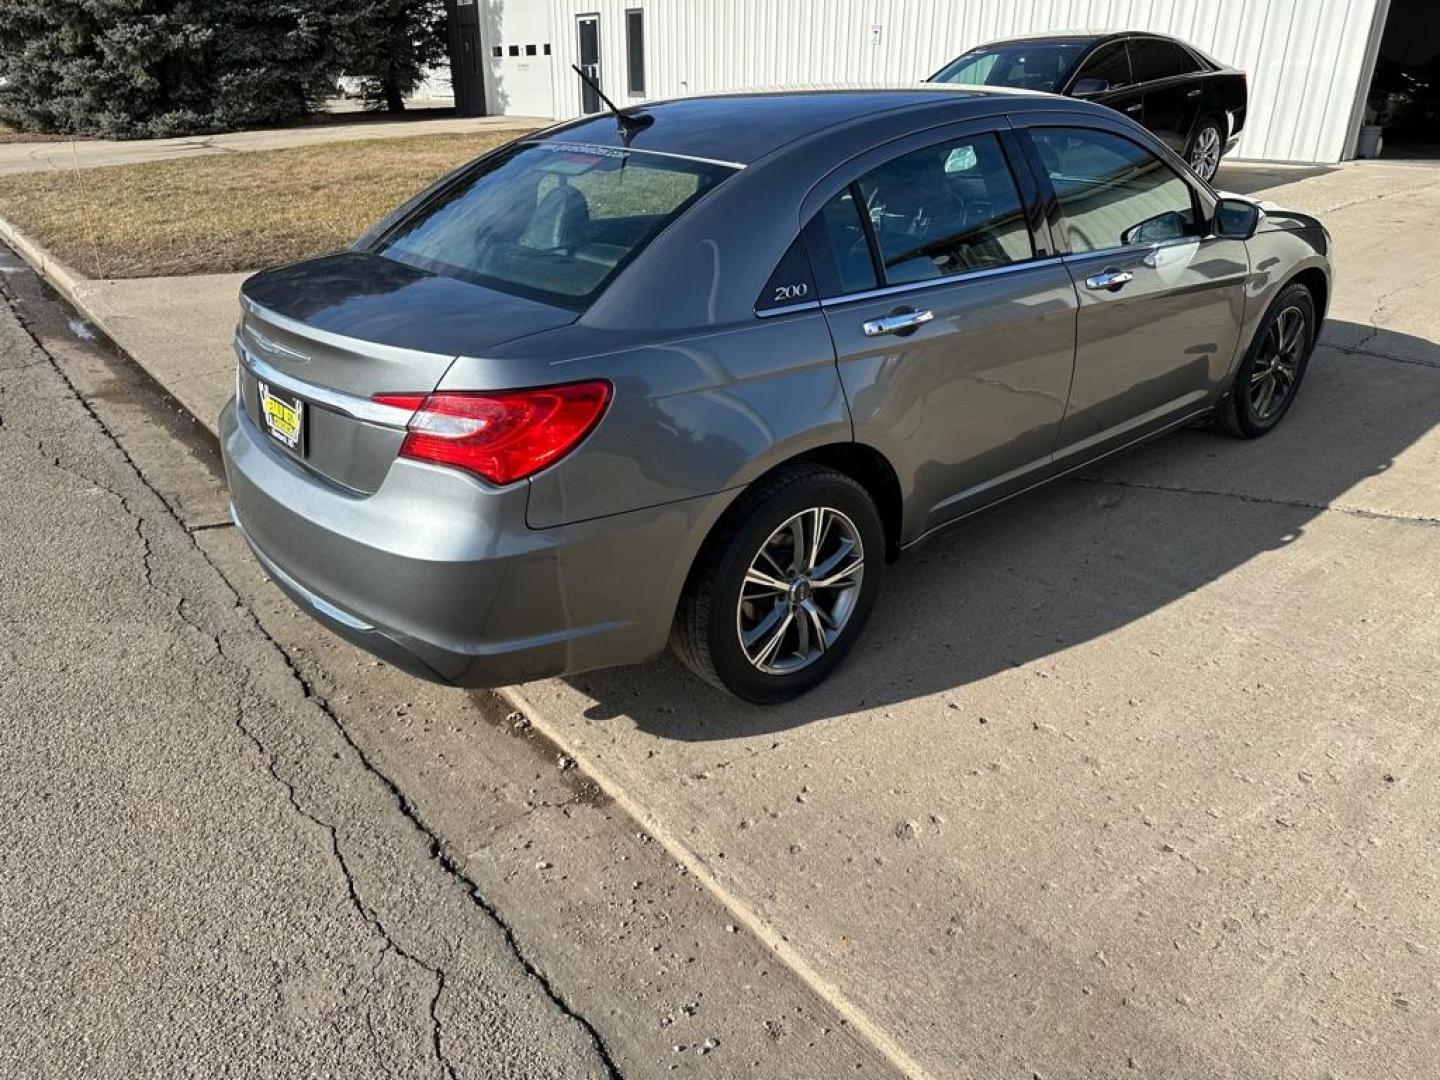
column 549, row 221
column 1027, row 65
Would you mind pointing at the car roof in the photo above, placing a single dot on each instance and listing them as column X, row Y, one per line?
column 1057, row 37
column 739, row 127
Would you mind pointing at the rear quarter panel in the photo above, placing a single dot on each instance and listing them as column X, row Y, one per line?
column 692, row 416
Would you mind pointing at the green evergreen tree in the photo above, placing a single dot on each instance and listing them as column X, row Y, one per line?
column 390, row 44
column 152, row 68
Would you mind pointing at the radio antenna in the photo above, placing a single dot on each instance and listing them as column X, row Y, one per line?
column 629, row 123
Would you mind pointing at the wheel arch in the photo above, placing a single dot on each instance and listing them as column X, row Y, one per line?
column 873, row 471
column 863, row 463
column 1314, row 279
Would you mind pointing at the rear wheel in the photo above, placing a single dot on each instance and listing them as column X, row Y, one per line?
column 1205, row 149
column 782, row 590
column 1269, row 376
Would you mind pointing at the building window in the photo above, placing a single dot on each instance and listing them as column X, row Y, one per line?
column 635, row 49
column 530, row 50
column 498, row 50
column 547, row 48
column 514, row 50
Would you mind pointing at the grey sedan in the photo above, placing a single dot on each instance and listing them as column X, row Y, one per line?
column 696, row 374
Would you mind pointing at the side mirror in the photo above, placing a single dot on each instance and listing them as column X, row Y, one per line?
column 1236, row 219
column 1089, row 87
column 1171, row 225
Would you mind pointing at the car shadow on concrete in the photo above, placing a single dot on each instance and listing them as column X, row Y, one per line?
column 1085, row 556
column 1243, row 178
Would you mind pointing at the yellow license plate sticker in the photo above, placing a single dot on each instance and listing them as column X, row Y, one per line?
column 284, row 417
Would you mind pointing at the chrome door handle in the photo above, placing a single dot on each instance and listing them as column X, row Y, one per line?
column 1193, row 93
column 901, row 322
column 1109, row 280
column 1134, row 108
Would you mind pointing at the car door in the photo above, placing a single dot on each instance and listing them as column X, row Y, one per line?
column 953, row 321
column 1161, row 299
column 1105, row 78
column 1172, row 90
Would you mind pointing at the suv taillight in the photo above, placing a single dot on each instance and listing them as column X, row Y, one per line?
column 501, row 435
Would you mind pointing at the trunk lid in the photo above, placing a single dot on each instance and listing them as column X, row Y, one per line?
column 331, row 333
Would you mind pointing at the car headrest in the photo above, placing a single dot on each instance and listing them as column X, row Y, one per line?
column 561, row 220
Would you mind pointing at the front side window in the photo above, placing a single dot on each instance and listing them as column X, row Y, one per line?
column 1026, row 65
column 550, row 221
column 1114, row 192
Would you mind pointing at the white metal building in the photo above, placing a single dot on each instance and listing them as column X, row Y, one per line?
column 1309, row 62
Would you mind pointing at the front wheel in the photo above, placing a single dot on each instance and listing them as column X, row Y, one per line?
column 1269, row 376
column 781, row 591
column 1205, row 150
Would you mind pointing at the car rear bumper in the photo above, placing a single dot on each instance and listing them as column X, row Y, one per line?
column 439, row 574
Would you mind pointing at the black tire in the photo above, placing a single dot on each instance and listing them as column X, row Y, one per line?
column 1210, row 135
column 706, row 634
column 1239, row 412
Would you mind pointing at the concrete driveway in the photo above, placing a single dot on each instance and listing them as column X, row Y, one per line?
column 1133, row 776
column 1136, row 773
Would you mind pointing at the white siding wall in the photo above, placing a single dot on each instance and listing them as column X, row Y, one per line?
column 1306, row 59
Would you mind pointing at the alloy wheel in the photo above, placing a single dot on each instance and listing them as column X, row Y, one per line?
column 1277, row 367
column 800, row 591
column 1205, row 155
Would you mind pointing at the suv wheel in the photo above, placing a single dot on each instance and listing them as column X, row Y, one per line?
column 781, row 591
column 1269, row 376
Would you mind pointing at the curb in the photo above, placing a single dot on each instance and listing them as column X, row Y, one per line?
column 766, row 933
column 66, row 281
column 60, row 276
column 87, row 296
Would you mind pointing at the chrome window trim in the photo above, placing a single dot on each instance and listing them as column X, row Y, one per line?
column 357, row 408
column 789, row 309
column 932, row 283
column 592, row 148
column 1133, row 249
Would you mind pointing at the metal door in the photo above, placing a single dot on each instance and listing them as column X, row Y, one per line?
column 959, row 378
column 588, row 27
column 1161, row 298
column 466, row 75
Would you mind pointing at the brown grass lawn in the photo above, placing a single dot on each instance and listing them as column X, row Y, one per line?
column 225, row 212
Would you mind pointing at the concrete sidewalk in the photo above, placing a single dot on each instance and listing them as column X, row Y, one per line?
column 92, row 153
column 1130, row 773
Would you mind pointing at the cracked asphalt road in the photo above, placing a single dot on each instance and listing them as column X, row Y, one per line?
column 201, row 875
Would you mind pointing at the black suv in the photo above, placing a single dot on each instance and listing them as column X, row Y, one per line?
column 1194, row 104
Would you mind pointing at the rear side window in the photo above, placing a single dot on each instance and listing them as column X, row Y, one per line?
column 1156, row 59
column 1110, row 66
column 1113, row 192
column 945, row 210
column 550, row 221
column 837, row 239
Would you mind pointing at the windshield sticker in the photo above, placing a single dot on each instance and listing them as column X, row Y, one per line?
column 583, row 148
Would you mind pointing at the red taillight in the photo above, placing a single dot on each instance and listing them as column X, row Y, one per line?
column 502, row 435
